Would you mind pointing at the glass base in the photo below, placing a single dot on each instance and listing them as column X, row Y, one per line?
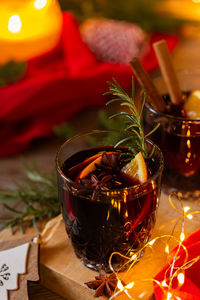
column 117, row 267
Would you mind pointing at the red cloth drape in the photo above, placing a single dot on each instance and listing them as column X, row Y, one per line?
column 57, row 85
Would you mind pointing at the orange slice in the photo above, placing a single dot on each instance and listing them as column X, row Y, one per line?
column 92, row 166
column 192, row 105
column 137, row 168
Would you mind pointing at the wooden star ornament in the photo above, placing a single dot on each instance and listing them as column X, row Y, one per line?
column 18, row 265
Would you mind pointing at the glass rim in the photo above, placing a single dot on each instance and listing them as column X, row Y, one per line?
column 135, row 187
column 171, row 117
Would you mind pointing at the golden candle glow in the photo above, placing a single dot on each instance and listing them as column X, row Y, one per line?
column 185, row 9
column 28, row 28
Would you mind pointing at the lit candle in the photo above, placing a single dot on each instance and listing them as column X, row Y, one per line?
column 28, row 28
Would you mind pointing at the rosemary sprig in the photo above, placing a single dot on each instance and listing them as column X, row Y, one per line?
column 135, row 138
column 38, row 196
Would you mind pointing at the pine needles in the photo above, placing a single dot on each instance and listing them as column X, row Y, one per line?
column 38, row 196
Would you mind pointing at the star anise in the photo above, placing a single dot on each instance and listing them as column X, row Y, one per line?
column 109, row 163
column 104, row 177
column 103, row 284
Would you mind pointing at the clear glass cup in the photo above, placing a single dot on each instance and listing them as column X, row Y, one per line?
column 119, row 220
column 179, row 140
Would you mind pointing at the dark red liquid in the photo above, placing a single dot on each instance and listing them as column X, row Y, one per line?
column 119, row 222
column 180, row 144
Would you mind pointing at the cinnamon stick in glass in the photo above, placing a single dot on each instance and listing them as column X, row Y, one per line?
column 145, row 81
column 168, row 72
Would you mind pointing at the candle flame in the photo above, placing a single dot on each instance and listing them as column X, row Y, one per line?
column 39, row 4
column 14, row 24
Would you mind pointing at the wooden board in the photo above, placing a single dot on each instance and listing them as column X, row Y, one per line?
column 63, row 273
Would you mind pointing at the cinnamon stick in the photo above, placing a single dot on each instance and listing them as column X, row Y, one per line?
column 145, row 81
column 168, row 72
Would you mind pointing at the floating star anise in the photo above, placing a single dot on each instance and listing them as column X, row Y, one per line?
column 103, row 284
column 109, row 163
column 105, row 175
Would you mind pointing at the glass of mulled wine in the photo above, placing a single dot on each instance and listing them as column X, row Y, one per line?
column 108, row 211
column 178, row 137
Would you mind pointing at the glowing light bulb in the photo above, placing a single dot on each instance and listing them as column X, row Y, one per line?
column 130, row 285
column 182, row 236
column 14, row 24
column 167, row 249
column 169, row 296
column 181, row 278
column 40, row 4
column 163, row 283
column 189, row 216
column 186, row 208
column 134, row 257
column 120, row 286
column 152, row 242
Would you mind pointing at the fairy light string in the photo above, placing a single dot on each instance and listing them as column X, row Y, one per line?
column 175, row 270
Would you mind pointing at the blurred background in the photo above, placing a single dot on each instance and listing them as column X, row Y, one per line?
column 56, row 57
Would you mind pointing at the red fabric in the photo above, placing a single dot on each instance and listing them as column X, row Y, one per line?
column 190, row 290
column 57, row 85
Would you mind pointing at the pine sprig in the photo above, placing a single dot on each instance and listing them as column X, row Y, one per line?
column 38, row 196
column 136, row 138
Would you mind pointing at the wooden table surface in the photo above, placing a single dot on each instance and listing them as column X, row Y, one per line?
column 186, row 56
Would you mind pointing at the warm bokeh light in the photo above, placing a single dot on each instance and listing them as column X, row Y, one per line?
column 39, row 4
column 184, row 9
column 14, row 24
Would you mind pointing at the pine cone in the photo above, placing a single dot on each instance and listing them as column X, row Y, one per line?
column 114, row 41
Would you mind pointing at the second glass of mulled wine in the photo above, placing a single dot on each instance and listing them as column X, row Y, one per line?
column 105, row 210
column 178, row 137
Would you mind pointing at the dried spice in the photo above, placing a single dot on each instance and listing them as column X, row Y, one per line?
column 103, row 284
column 105, row 176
